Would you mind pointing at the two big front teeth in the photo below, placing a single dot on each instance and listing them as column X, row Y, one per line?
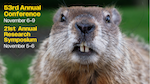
column 83, row 47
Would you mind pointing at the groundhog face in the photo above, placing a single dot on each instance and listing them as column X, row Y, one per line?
column 85, row 35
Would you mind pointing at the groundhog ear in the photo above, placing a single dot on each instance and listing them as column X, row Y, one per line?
column 116, row 17
column 57, row 15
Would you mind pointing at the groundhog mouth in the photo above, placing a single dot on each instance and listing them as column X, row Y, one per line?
column 83, row 50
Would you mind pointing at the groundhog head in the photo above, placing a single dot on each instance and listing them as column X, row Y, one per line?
column 85, row 35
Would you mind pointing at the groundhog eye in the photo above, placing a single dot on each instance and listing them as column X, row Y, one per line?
column 63, row 18
column 107, row 19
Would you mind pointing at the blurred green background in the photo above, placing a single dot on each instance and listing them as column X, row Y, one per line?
column 135, row 19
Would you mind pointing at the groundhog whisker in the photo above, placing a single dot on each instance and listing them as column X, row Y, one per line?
column 122, row 44
column 62, row 3
column 59, row 32
column 116, row 47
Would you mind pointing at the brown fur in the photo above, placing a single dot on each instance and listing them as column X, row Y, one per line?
column 121, row 60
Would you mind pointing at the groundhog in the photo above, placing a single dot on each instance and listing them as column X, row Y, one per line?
column 86, row 46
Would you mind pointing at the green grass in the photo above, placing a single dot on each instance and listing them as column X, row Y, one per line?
column 132, row 19
column 135, row 20
column 17, row 69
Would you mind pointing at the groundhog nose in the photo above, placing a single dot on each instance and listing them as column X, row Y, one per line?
column 84, row 27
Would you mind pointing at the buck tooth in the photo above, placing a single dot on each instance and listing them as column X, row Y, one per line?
column 82, row 44
column 81, row 48
column 85, row 44
column 86, row 49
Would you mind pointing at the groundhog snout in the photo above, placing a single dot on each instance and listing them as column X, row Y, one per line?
column 84, row 27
